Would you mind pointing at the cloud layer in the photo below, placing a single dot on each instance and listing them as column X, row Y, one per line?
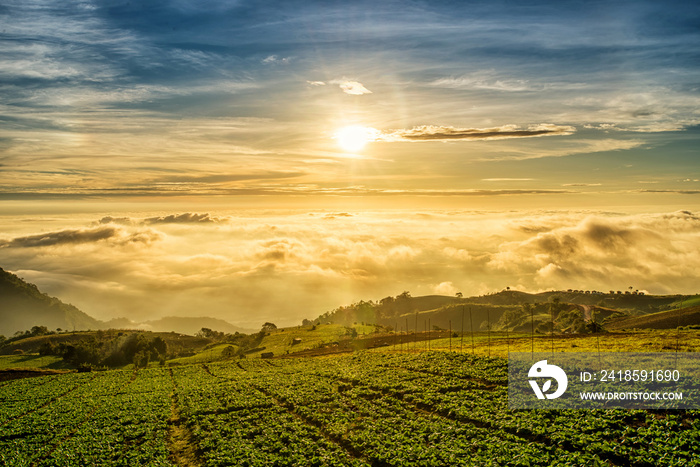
column 249, row 269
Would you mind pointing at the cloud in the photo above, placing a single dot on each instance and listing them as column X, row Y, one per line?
column 80, row 236
column 296, row 190
column 316, row 83
column 182, row 218
column 353, row 88
column 567, row 147
column 449, row 133
column 649, row 128
column 225, row 177
column 485, row 81
column 678, row 192
column 115, row 220
column 602, row 252
column 274, row 59
column 507, row 179
column 445, row 288
column 185, row 218
column 284, row 267
column 336, row 215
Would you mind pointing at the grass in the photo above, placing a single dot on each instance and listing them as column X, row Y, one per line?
column 280, row 342
column 688, row 302
column 31, row 361
column 687, row 316
column 208, row 354
column 495, row 344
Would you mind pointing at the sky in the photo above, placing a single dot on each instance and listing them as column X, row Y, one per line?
column 258, row 161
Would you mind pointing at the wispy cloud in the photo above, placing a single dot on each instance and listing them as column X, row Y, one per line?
column 274, row 59
column 679, row 192
column 480, row 81
column 507, row 179
column 449, row 133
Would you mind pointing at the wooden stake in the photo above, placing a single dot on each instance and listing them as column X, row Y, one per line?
column 532, row 331
column 471, row 327
column 488, row 329
column 461, row 332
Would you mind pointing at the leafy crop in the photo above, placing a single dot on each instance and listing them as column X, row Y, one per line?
column 364, row 409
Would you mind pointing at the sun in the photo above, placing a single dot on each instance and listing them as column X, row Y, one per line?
column 355, row 137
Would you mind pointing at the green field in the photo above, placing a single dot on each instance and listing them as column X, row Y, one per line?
column 31, row 361
column 377, row 408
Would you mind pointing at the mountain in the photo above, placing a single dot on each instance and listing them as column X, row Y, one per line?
column 24, row 306
column 181, row 325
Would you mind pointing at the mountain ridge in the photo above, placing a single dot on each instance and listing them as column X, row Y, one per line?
column 485, row 311
column 23, row 306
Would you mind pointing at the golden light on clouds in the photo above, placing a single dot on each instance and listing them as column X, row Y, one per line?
column 247, row 266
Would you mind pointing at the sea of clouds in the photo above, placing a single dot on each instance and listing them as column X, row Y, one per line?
column 252, row 267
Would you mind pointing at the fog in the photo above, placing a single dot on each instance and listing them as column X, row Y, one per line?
column 250, row 267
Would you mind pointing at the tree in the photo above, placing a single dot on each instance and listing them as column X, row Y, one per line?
column 47, row 348
column 268, row 327
column 81, row 353
column 210, row 334
column 39, row 330
column 228, row 352
column 158, row 347
column 141, row 359
column 594, row 326
column 459, row 295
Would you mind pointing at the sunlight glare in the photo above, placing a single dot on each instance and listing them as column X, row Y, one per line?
column 355, row 137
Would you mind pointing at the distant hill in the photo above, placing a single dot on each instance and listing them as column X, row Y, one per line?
column 639, row 303
column 24, row 306
column 663, row 320
column 176, row 344
column 181, row 325
column 486, row 310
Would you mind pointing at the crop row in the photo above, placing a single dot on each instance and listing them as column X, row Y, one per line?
column 384, row 430
column 114, row 418
column 363, row 409
column 617, row 436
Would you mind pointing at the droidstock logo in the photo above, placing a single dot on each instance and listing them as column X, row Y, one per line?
column 542, row 370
